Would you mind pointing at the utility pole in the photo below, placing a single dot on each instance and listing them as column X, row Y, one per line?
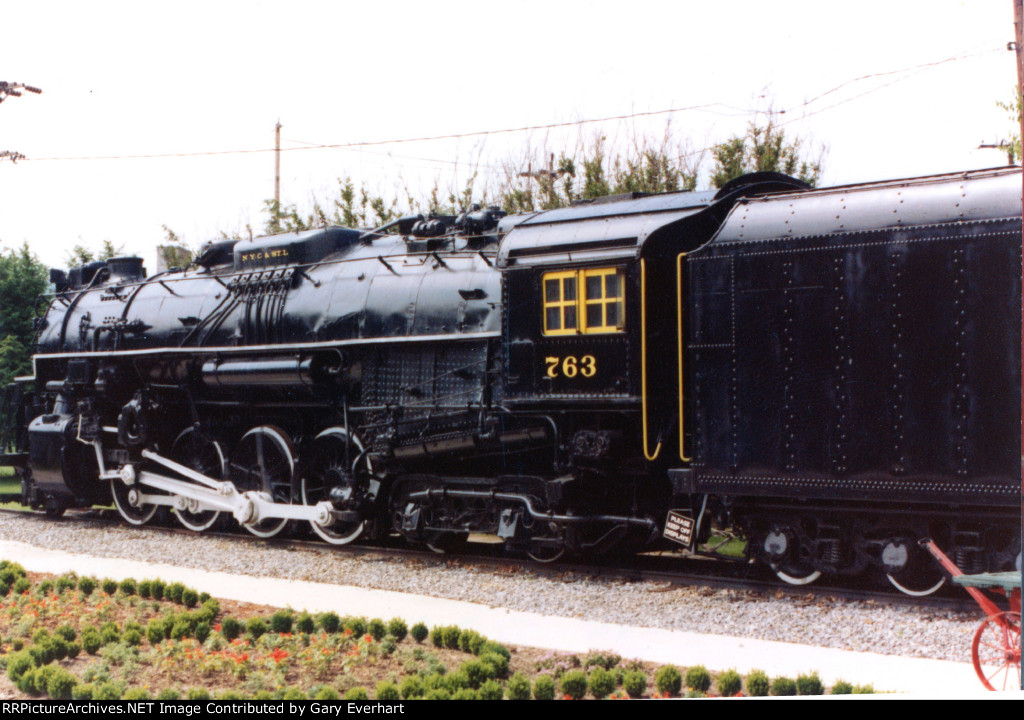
column 277, row 166
column 1018, row 28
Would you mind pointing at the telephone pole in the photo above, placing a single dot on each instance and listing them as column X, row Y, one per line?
column 277, row 167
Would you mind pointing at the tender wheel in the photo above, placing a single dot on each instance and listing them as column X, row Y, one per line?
column 264, row 462
column 545, row 553
column 123, row 496
column 796, row 573
column 338, row 470
column 203, row 455
column 918, row 584
column 995, row 651
column 914, row 572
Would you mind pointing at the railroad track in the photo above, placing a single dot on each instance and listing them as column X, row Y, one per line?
column 673, row 570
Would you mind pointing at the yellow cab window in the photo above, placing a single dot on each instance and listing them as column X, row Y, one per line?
column 584, row 301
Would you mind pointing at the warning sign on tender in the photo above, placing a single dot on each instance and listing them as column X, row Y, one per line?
column 679, row 528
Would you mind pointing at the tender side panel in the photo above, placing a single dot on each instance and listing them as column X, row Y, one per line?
column 872, row 365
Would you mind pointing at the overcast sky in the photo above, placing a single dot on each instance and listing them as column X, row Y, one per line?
column 122, row 79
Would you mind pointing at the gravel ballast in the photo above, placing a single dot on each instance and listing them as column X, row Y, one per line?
column 808, row 620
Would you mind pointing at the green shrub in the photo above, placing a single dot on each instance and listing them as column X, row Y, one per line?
column 202, row 631
column 5, row 589
column 698, row 678
column 477, row 672
column 411, row 688
column 82, row 691
column 110, row 691
column 91, row 642
column 544, row 687
column 357, row 694
column 180, row 630
column 137, row 693
column 783, row 687
column 841, row 688
column 109, row 586
column 66, row 582
column 326, row 694
column 168, row 694
column 304, row 623
column 155, row 631
column 729, row 683
column 294, row 693
column 21, row 586
column 255, row 628
column 634, row 682
column 128, row 586
column 452, row 634
column 110, row 633
column 356, row 624
column 377, row 629
column 281, row 621
column 574, row 684
column 230, row 628
column 387, row 691
column 397, row 629
column 174, row 592
column 518, row 687
column 18, row 664
column 197, row 694
column 145, row 589
column 158, row 588
column 490, row 646
column 189, row 598
column 419, row 632
column 60, row 648
column 492, row 690
column 498, row 662
column 87, row 585
column 44, row 588
column 74, row 649
column 330, row 622
column 864, row 690
column 758, row 684
column 668, row 680
column 809, row 685
column 67, row 632
column 601, row 682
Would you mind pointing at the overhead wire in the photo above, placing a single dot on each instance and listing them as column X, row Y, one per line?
column 704, row 107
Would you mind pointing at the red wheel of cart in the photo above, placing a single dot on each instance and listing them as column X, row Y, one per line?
column 996, row 651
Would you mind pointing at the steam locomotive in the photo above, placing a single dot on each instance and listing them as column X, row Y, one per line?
column 835, row 373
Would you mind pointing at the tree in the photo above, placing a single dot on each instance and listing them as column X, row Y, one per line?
column 81, row 255
column 763, row 148
column 23, row 279
column 1012, row 146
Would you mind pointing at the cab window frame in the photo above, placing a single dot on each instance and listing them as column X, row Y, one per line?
column 564, row 315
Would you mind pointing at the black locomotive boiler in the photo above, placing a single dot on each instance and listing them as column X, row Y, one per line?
column 835, row 372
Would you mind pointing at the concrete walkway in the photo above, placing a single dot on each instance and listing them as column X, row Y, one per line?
column 920, row 678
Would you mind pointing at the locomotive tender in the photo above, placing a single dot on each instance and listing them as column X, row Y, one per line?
column 834, row 372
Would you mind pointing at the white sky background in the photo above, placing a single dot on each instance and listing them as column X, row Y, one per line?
column 129, row 78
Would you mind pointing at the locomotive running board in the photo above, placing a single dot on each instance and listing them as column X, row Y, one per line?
column 248, row 507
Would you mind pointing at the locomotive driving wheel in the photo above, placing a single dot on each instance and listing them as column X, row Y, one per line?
column 264, row 462
column 995, row 651
column 338, row 470
column 127, row 504
column 202, row 454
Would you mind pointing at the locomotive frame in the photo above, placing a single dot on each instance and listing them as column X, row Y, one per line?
column 835, row 372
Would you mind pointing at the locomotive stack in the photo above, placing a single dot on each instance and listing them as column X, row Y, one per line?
column 835, row 373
